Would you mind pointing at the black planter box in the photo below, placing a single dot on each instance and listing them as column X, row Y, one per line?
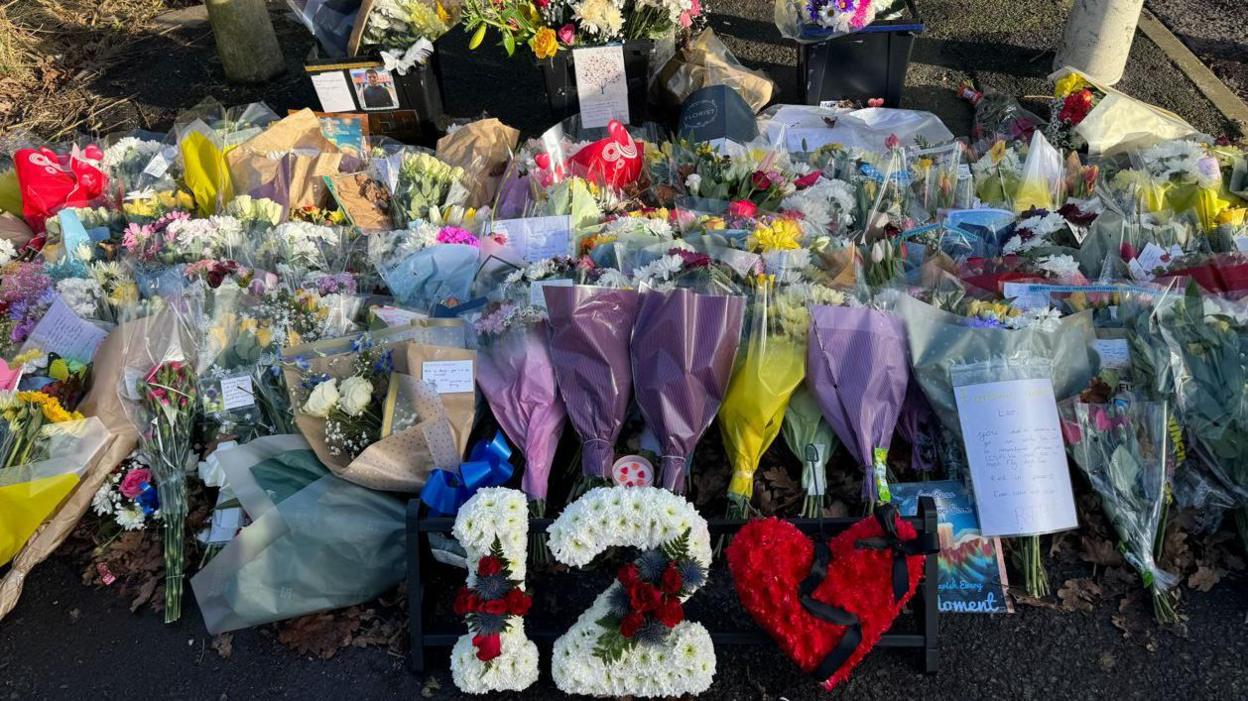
column 560, row 75
column 412, row 102
column 869, row 64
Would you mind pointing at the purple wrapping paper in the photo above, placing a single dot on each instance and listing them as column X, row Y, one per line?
column 856, row 366
column 915, row 419
column 517, row 377
column 589, row 335
column 684, row 346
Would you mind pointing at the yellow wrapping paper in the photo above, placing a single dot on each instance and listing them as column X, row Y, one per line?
column 25, row 505
column 205, row 173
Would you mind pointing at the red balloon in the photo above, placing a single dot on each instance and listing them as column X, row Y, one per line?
column 50, row 182
column 614, row 161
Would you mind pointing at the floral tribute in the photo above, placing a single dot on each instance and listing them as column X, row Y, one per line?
column 634, row 639
column 493, row 528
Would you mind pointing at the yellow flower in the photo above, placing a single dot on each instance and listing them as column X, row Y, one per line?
column 780, row 235
column 544, row 44
column 714, row 223
column 1234, row 216
column 443, row 15
column 51, row 408
column 1069, row 84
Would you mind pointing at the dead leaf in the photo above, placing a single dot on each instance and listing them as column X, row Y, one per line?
column 1078, row 594
column 1099, row 552
column 145, row 594
column 224, row 645
column 321, row 635
column 1204, row 578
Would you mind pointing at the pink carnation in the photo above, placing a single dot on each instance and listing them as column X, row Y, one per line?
column 132, row 483
column 454, row 234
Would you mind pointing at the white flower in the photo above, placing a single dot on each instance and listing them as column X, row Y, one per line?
column 356, row 393
column 322, row 400
column 130, row 518
column 7, row 251
column 102, row 503
column 693, row 183
column 80, row 295
column 1062, row 267
column 601, row 18
column 613, row 278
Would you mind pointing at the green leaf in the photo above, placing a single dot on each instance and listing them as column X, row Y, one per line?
column 509, row 43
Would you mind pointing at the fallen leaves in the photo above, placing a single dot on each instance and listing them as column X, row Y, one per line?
column 224, row 645
column 1079, row 595
column 320, row 635
column 1204, row 578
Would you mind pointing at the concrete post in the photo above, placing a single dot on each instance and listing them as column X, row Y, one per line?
column 246, row 41
column 1098, row 37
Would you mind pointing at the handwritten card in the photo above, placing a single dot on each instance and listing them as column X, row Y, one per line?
column 1115, row 353
column 448, row 376
column 333, row 91
column 1017, row 458
column 63, row 332
column 237, row 392
column 601, row 85
column 537, row 238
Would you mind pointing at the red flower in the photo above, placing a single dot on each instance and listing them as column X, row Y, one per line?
column 742, row 209
column 466, row 601
column 1127, row 251
column 518, row 602
column 760, row 181
column 488, row 646
column 670, row 612
column 644, row 597
column 808, row 179
column 629, row 576
column 631, row 624
column 892, row 142
column 672, row 581
column 1075, row 107
column 489, row 565
column 495, row 607
column 1071, row 432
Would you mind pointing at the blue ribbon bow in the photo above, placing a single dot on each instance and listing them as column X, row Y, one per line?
column 487, row 466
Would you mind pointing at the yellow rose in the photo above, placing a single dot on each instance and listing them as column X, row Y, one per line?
column 1069, row 84
column 544, row 44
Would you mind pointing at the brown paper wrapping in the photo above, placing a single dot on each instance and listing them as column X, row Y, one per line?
column 255, row 162
column 366, row 201
column 483, row 148
column 838, row 268
column 104, row 403
column 400, row 462
column 704, row 61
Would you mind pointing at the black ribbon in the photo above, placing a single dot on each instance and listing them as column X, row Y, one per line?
column 925, row 543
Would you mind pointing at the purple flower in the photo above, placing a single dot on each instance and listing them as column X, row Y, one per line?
column 454, row 234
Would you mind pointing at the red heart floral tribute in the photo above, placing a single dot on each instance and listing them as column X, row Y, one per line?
column 827, row 604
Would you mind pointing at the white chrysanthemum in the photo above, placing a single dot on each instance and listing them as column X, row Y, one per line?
column 102, row 503
column 127, row 148
column 7, row 251
column 601, row 18
column 515, row 669
column 1060, row 266
column 130, row 518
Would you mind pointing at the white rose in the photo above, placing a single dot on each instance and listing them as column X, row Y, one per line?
column 322, row 399
column 357, row 392
column 693, row 183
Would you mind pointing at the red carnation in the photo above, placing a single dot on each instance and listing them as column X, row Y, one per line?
column 466, row 601
column 489, row 565
column 1075, row 107
column 631, row 624
column 760, row 181
column 670, row 612
column 518, row 602
column 644, row 597
column 629, row 576
column 672, row 581
column 495, row 607
column 742, row 209
column 488, row 646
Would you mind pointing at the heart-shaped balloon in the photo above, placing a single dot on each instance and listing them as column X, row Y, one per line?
column 826, row 605
column 614, row 161
column 50, row 182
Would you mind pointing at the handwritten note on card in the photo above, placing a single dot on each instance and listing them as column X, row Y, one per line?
column 448, row 376
column 537, row 238
column 1018, row 461
column 601, row 85
column 63, row 332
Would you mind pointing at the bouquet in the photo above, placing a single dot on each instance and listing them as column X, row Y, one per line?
column 810, row 21
column 426, row 265
column 1073, row 99
column 168, row 403
column 350, row 406
column 397, row 25
column 812, row 441
column 1121, row 447
column 424, row 186
column 550, row 26
column 590, row 328
column 25, row 417
column 764, row 379
column 128, row 496
column 858, row 371
column 517, row 376
column 683, row 347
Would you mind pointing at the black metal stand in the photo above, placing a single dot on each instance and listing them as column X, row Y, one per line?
column 925, row 608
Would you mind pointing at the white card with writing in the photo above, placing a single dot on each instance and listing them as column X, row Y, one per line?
column 333, row 91
column 537, row 297
column 601, row 85
column 237, row 392
column 1024, row 295
column 448, row 376
column 63, row 332
column 1018, row 460
column 1115, row 353
column 537, row 238
column 396, row 316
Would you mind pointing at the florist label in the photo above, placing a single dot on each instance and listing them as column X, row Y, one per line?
column 1018, row 461
column 601, row 85
column 448, row 376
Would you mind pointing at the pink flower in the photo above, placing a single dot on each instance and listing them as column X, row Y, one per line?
column 686, row 21
column 132, row 483
column 566, row 34
column 1100, row 419
column 742, row 209
column 1071, row 433
column 892, row 142
column 454, row 234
